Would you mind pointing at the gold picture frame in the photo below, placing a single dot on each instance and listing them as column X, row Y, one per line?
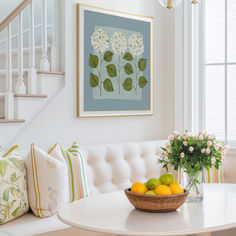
column 142, row 93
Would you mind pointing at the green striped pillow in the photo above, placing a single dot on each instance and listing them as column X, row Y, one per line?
column 78, row 187
column 214, row 175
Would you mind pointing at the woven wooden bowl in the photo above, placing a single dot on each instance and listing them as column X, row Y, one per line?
column 156, row 203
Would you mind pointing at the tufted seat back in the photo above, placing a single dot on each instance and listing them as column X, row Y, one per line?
column 112, row 167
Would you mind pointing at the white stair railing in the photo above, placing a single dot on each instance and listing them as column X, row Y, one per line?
column 44, row 65
column 9, row 103
column 32, row 83
column 20, row 87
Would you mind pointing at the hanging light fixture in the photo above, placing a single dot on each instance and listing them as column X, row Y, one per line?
column 196, row 1
column 174, row 3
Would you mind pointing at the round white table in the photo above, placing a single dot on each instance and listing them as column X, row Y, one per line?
column 112, row 213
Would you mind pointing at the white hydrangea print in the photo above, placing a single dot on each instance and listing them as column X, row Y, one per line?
column 119, row 43
column 100, row 41
column 136, row 46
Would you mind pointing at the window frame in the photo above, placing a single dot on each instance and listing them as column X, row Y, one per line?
column 190, row 88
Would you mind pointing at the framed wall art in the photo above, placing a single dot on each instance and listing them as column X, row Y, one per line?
column 115, row 63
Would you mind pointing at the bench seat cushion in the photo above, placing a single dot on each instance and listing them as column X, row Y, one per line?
column 29, row 224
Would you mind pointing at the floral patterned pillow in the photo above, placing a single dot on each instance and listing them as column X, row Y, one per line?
column 13, row 186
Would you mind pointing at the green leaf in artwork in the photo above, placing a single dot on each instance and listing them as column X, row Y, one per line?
column 129, row 69
column 107, row 84
column 111, row 70
column 108, row 56
column 128, row 56
column 16, row 212
column 142, row 64
column 93, row 61
column 128, row 84
column 94, row 80
column 142, row 81
column 3, row 167
column 6, row 195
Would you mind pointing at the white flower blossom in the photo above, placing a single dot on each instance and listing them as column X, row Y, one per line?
column 136, row 46
column 100, row 41
column 119, row 43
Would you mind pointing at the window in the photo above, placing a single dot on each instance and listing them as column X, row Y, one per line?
column 220, row 68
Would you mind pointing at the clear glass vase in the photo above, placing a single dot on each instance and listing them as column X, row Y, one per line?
column 192, row 182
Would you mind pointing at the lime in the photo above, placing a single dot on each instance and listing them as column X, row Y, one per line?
column 167, row 179
column 153, row 183
column 150, row 193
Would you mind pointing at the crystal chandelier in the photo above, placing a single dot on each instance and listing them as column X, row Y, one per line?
column 174, row 3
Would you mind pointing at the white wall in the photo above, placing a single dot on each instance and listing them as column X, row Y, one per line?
column 7, row 6
column 58, row 122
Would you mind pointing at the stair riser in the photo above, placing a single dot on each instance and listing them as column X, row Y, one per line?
column 49, row 84
column 25, row 107
column 26, row 59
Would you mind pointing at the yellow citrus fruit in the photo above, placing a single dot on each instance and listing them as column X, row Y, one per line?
column 163, row 190
column 176, row 188
column 138, row 187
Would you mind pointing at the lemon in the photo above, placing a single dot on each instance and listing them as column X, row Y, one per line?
column 163, row 190
column 176, row 188
column 167, row 179
column 138, row 187
column 153, row 183
column 150, row 193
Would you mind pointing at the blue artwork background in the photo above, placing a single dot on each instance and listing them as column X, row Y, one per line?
column 93, row 19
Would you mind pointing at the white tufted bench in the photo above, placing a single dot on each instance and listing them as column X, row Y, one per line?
column 110, row 167
column 114, row 167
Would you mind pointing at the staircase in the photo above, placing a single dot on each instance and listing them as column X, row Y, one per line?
column 29, row 74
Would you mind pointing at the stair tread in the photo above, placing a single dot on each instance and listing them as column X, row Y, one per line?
column 3, row 121
column 50, row 72
column 30, row 96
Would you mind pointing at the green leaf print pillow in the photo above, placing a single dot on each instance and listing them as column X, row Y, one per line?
column 13, row 186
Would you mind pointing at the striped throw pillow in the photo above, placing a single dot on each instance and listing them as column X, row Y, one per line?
column 78, row 187
column 214, row 175
column 47, row 181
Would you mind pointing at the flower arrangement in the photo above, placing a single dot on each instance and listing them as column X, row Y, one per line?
column 192, row 153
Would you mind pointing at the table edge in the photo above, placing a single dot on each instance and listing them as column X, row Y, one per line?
column 133, row 233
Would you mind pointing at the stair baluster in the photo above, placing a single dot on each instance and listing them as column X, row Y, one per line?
column 55, row 37
column 32, row 74
column 44, row 65
column 9, row 97
column 20, row 86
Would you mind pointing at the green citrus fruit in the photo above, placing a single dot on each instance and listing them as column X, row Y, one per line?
column 153, row 183
column 150, row 193
column 167, row 179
